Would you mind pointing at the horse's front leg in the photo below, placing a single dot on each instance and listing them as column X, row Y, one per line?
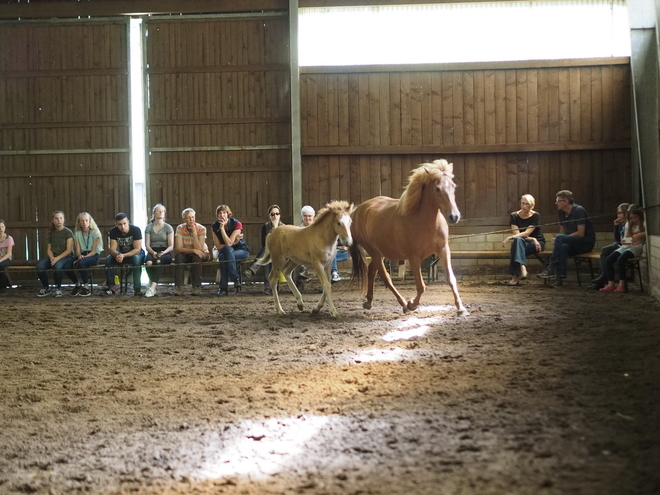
column 324, row 277
column 416, row 268
column 451, row 280
column 288, row 275
column 274, row 278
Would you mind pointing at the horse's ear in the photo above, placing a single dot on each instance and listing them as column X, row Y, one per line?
column 351, row 208
column 426, row 170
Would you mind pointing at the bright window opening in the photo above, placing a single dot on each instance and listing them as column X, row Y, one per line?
column 450, row 33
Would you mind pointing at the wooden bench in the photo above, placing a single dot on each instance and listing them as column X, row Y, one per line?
column 589, row 258
column 543, row 258
column 123, row 271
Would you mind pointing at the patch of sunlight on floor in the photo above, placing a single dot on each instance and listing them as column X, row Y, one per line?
column 260, row 448
column 410, row 328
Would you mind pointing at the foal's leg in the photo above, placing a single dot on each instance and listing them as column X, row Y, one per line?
column 288, row 275
column 324, row 278
column 273, row 278
column 445, row 254
column 379, row 265
column 416, row 268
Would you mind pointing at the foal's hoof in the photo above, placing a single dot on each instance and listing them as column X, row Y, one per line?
column 300, row 307
column 411, row 306
column 462, row 312
column 367, row 305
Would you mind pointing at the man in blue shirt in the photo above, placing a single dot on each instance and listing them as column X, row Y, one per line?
column 576, row 236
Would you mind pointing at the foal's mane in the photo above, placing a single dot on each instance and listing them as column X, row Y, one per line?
column 426, row 173
column 332, row 208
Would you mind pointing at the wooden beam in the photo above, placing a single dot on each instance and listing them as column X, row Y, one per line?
column 63, row 9
column 462, row 66
column 462, row 149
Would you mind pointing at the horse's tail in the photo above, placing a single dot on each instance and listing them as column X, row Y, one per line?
column 358, row 274
column 265, row 257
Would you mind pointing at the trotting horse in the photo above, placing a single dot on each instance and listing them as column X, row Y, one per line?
column 288, row 246
column 410, row 228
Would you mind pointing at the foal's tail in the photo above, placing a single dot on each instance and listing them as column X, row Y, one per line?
column 265, row 258
column 358, row 274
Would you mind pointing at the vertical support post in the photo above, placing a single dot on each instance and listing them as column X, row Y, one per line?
column 296, row 158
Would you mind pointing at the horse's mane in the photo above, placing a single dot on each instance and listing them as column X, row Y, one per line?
column 332, row 208
column 424, row 174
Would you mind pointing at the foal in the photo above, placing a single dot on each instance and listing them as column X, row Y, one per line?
column 316, row 245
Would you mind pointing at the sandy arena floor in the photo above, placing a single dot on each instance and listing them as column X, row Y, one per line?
column 539, row 391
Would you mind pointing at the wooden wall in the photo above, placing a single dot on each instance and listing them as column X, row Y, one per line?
column 63, row 126
column 219, row 117
column 528, row 128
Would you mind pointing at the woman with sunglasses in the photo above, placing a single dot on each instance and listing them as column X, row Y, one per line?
column 275, row 220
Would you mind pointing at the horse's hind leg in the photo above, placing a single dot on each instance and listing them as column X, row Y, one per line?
column 415, row 267
column 379, row 265
column 288, row 272
column 451, row 280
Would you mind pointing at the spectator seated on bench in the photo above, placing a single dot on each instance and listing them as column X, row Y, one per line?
column 576, row 236
column 125, row 249
column 190, row 246
column 526, row 238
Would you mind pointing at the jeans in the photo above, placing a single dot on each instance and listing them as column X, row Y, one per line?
column 604, row 253
column 342, row 255
column 136, row 261
column 4, row 281
column 620, row 260
column 227, row 257
column 154, row 270
column 83, row 267
column 195, row 269
column 57, row 268
column 520, row 249
column 567, row 246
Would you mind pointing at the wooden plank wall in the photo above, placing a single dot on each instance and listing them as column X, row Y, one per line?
column 63, row 126
column 508, row 132
column 219, row 117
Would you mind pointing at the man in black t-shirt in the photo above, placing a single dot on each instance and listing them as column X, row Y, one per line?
column 576, row 236
column 125, row 249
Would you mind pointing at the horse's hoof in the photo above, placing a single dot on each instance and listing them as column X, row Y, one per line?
column 315, row 311
column 406, row 310
column 367, row 305
column 300, row 307
column 462, row 312
column 411, row 306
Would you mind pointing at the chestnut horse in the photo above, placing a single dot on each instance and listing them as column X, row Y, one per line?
column 410, row 228
column 288, row 246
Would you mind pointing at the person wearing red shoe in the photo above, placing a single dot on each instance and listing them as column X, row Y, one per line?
column 632, row 245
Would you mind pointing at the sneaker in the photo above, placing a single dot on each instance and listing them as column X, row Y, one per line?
column 335, row 277
column 178, row 291
column 607, row 288
column 619, row 290
column 150, row 292
column 197, row 291
column 249, row 273
column 547, row 273
column 44, row 293
column 107, row 291
column 137, row 292
column 84, row 292
column 222, row 292
column 268, row 292
column 58, row 292
column 75, row 291
column 559, row 281
column 595, row 286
